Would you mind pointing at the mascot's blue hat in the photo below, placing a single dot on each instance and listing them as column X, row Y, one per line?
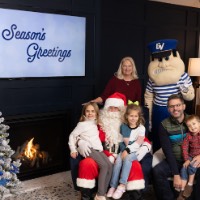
column 162, row 45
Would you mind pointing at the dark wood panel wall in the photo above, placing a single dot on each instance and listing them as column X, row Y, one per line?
column 123, row 34
column 181, row 23
column 128, row 26
column 114, row 29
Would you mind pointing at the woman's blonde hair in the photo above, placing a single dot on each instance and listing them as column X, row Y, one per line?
column 137, row 108
column 96, row 108
column 119, row 73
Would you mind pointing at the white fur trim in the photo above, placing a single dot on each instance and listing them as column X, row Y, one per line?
column 114, row 102
column 135, row 185
column 158, row 156
column 142, row 152
column 85, row 183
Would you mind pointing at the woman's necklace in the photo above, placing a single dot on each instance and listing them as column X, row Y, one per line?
column 127, row 82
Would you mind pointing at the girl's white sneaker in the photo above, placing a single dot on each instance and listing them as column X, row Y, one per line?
column 110, row 192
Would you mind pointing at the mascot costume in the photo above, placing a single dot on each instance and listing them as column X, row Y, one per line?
column 167, row 76
column 109, row 132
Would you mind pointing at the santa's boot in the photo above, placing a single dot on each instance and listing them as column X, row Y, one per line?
column 130, row 195
column 136, row 194
column 126, row 196
column 86, row 194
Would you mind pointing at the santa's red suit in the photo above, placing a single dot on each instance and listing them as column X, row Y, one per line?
column 88, row 169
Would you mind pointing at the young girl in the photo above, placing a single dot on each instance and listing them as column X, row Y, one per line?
column 133, row 132
column 191, row 152
column 87, row 130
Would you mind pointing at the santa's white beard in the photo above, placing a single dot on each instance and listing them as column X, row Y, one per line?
column 110, row 123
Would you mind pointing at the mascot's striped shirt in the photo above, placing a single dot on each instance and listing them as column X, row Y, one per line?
column 163, row 92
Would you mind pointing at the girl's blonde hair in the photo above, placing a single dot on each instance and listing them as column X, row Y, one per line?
column 132, row 107
column 96, row 108
column 119, row 73
column 191, row 117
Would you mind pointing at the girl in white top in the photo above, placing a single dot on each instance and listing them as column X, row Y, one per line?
column 87, row 130
column 133, row 132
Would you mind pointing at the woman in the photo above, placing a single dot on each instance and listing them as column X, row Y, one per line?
column 124, row 81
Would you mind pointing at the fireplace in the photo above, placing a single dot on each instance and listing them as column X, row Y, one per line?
column 45, row 136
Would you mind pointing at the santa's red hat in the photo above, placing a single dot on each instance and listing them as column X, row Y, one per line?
column 117, row 100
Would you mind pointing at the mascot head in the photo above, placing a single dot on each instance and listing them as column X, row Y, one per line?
column 166, row 66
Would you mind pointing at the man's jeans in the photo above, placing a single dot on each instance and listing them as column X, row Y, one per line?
column 123, row 166
column 162, row 187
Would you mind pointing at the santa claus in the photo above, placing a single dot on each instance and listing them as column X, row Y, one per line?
column 111, row 117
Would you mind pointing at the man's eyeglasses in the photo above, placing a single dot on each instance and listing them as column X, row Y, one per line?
column 175, row 106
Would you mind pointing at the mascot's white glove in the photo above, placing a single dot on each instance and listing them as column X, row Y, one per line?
column 184, row 87
column 84, row 148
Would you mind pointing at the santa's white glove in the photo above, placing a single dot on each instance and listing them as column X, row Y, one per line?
column 84, row 148
column 143, row 150
column 141, row 153
column 134, row 147
column 112, row 158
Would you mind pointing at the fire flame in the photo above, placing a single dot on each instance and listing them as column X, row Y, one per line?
column 34, row 155
column 30, row 151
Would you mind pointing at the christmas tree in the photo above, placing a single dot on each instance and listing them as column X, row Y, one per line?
column 8, row 167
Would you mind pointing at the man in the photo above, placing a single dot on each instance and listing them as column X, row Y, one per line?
column 110, row 120
column 172, row 132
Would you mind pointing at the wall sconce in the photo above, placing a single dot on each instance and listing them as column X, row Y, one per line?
column 194, row 70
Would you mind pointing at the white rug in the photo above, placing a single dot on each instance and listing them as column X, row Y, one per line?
column 53, row 187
